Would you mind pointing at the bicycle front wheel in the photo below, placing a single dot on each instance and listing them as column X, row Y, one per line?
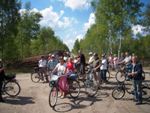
column 12, row 88
column 91, row 87
column 120, row 76
column 118, row 93
column 35, row 77
column 74, row 88
column 53, row 95
column 107, row 75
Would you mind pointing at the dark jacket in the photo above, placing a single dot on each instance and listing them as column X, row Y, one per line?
column 137, row 68
column 82, row 59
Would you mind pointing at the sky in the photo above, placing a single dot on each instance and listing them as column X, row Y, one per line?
column 70, row 19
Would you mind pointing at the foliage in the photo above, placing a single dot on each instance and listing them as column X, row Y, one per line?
column 112, row 30
column 9, row 18
column 21, row 35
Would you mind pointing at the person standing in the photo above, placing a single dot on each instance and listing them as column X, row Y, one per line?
column 91, row 58
column 51, row 64
column 43, row 68
column 103, row 68
column 82, row 62
column 2, row 76
column 136, row 75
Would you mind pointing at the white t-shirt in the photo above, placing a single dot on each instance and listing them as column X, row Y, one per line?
column 60, row 69
column 42, row 63
column 104, row 64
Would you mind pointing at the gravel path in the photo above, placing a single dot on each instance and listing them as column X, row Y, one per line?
column 34, row 99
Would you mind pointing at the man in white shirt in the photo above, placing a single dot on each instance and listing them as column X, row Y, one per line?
column 43, row 67
column 103, row 68
column 127, row 59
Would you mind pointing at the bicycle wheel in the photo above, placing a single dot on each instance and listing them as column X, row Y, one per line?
column 12, row 88
column 145, row 92
column 107, row 75
column 53, row 95
column 120, row 76
column 118, row 93
column 91, row 87
column 35, row 77
column 74, row 88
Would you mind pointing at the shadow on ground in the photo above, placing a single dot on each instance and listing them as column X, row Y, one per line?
column 20, row 100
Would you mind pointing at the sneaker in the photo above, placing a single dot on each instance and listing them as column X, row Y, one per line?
column 134, row 100
column 138, row 103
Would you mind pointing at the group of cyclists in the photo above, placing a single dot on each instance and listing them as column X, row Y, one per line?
column 67, row 65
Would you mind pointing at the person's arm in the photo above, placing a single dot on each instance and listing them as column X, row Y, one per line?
column 55, row 69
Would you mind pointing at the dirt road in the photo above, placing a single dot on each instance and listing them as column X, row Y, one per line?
column 34, row 99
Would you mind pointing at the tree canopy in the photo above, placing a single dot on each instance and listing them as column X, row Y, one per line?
column 112, row 31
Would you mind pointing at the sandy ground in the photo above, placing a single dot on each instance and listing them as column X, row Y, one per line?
column 34, row 99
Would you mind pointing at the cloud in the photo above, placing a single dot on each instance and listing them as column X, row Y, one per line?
column 90, row 22
column 138, row 29
column 53, row 19
column 76, row 4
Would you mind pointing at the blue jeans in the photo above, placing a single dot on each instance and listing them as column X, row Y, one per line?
column 103, row 74
column 137, row 90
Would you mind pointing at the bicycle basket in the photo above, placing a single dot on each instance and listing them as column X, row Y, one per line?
column 10, row 76
column 53, row 80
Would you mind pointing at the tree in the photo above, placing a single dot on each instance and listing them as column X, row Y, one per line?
column 46, row 42
column 76, row 47
column 114, row 19
column 9, row 18
column 146, row 19
column 28, row 29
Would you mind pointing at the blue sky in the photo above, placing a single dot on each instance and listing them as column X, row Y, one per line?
column 70, row 19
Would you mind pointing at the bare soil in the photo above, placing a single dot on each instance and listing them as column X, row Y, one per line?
column 34, row 99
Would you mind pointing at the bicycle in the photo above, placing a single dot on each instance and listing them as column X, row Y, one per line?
column 120, row 90
column 121, row 74
column 73, row 90
column 11, row 86
column 91, row 86
column 37, row 75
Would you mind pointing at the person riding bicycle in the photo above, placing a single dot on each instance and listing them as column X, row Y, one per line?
column 43, row 68
column 2, row 76
column 136, row 74
column 59, row 70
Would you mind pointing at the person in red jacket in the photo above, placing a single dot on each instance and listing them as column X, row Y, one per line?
column 70, row 67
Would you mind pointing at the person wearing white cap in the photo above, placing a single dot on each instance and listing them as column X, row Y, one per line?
column 91, row 58
column 52, row 63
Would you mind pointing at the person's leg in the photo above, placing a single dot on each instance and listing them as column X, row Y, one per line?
column 104, row 75
column 135, row 90
column 101, row 74
column 139, row 91
column 1, row 98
